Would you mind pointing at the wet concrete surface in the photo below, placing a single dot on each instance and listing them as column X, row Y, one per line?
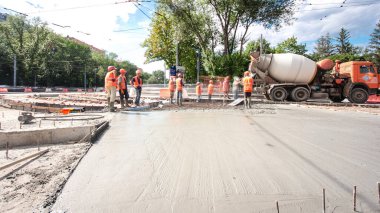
column 230, row 161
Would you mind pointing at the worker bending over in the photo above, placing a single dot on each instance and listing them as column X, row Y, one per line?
column 137, row 83
column 172, row 88
column 210, row 89
column 198, row 91
column 110, row 85
column 247, row 84
column 179, row 86
column 123, row 90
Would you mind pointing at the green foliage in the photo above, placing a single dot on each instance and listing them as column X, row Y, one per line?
column 347, row 57
column 255, row 46
column 157, row 77
column 343, row 46
column 206, row 24
column 291, row 45
column 47, row 59
column 374, row 45
column 232, row 65
column 324, row 47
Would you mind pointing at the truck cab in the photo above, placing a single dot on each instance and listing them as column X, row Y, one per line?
column 363, row 80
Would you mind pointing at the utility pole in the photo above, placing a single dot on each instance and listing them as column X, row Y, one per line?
column 198, row 63
column 261, row 44
column 85, row 78
column 14, row 70
column 177, row 55
column 164, row 72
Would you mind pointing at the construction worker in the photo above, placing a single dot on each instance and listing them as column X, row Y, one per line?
column 226, row 89
column 137, row 83
column 110, row 85
column 247, row 84
column 235, row 87
column 210, row 89
column 198, row 91
column 172, row 88
column 122, row 87
column 179, row 87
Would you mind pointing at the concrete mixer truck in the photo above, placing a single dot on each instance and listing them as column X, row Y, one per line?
column 294, row 77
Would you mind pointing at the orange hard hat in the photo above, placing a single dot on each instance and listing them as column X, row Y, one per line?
column 123, row 71
column 246, row 73
column 110, row 68
column 211, row 82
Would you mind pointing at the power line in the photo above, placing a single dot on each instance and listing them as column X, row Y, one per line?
column 88, row 6
column 142, row 11
column 342, row 6
column 132, row 29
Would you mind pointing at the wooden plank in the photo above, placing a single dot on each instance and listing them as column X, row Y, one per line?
column 38, row 154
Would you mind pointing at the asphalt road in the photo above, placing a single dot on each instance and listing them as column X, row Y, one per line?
column 230, row 161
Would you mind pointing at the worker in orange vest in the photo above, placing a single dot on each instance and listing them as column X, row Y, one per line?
column 172, row 88
column 226, row 89
column 198, row 91
column 210, row 89
column 110, row 85
column 122, row 87
column 248, row 85
column 179, row 87
column 137, row 83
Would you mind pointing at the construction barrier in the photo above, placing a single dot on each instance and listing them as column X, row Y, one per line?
column 164, row 93
column 65, row 90
column 3, row 90
column 374, row 99
column 90, row 90
column 28, row 89
column 79, row 90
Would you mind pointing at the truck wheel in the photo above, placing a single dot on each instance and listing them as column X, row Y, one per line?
column 358, row 96
column 300, row 94
column 278, row 94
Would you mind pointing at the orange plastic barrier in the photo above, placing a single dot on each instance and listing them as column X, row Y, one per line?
column 164, row 93
column 90, row 90
column 373, row 99
column 65, row 111
column 3, row 90
column 79, row 90
column 65, row 90
column 28, row 90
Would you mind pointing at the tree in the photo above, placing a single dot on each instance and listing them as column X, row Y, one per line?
column 255, row 45
column 157, row 77
column 324, row 47
column 291, row 45
column 374, row 45
column 197, row 18
column 344, row 46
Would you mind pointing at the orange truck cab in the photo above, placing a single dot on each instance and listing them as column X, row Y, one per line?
column 363, row 79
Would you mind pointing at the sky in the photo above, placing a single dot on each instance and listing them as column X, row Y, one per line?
column 119, row 26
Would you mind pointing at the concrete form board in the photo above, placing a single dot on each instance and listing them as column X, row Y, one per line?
column 44, row 136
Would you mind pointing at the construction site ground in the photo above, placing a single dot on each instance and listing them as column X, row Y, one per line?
column 230, row 160
column 201, row 157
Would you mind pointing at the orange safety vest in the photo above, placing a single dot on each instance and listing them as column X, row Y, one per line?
column 108, row 80
column 123, row 83
column 198, row 90
column 179, row 84
column 171, row 85
column 248, row 84
column 210, row 89
column 137, row 82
